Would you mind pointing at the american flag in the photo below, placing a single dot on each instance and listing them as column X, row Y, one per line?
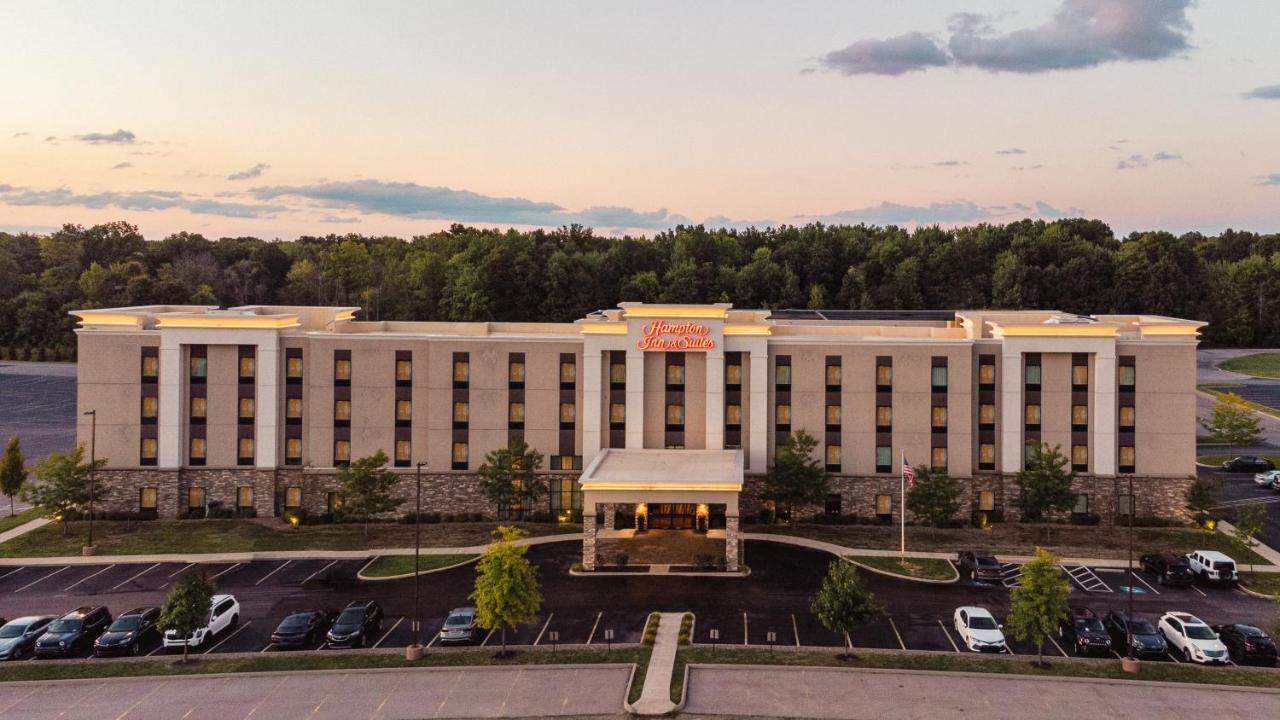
column 908, row 473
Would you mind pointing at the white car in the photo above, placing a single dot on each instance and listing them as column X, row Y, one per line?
column 1191, row 636
column 1266, row 479
column 225, row 614
column 979, row 630
column 1213, row 566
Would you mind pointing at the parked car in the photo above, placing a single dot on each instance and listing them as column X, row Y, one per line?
column 73, row 632
column 223, row 615
column 1247, row 644
column 460, row 626
column 1084, row 631
column 355, row 624
column 1266, row 479
column 302, row 629
column 1212, row 566
column 129, row 633
column 1248, row 463
column 1193, row 638
column 980, row 566
column 19, row 635
column 1147, row 639
column 979, row 630
column 1168, row 569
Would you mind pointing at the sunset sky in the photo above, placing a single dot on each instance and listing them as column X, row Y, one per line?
column 282, row 119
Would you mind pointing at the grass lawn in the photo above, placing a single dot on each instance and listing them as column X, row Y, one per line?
column 924, row 568
column 10, row 672
column 18, row 518
column 1220, row 390
column 212, row 536
column 395, row 565
column 1096, row 541
column 1265, row 365
column 1019, row 665
column 1266, row 583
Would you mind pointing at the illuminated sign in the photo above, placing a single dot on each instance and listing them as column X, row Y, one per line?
column 663, row 335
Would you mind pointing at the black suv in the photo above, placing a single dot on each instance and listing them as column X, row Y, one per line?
column 1248, row 463
column 980, row 566
column 1147, row 640
column 354, row 624
column 1247, row 644
column 129, row 633
column 302, row 629
column 73, row 632
column 1168, row 569
column 1084, row 631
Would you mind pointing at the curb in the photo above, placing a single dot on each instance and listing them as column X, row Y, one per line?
column 368, row 578
column 605, row 573
column 933, row 581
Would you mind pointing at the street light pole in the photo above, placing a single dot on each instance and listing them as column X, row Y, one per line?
column 93, row 442
column 414, row 651
column 1133, row 510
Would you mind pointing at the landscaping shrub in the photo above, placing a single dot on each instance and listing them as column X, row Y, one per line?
column 651, row 628
column 686, row 628
column 704, row 562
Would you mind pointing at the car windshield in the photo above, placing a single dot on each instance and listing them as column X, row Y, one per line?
column 297, row 620
column 982, row 623
column 1199, row 632
column 1142, row 627
column 65, row 626
column 351, row 616
column 129, row 623
column 12, row 631
column 1089, row 625
column 458, row 620
column 1248, row 631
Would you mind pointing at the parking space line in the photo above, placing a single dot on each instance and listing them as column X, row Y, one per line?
column 268, row 647
column 385, row 634
column 594, row 625
column 224, row 572
column 434, row 637
column 175, row 572
column 235, row 632
column 43, row 578
column 897, row 634
column 795, row 629
column 1173, row 658
column 1055, row 644
column 744, row 628
column 485, row 641
column 1202, row 593
column 12, row 572
column 135, row 577
column 68, row 588
column 158, row 649
column 949, row 639
column 273, row 572
column 544, row 629
column 308, row 578
column 1144, row 582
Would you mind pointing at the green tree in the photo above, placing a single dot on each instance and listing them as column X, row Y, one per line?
column 1044, row 484
column 1039, row 602
column 13, row 470
column 62, row 485
column 506, row 593
column 1201, row 497
column 935, row 497
column 366, row 489
column 842, row 603
column 1249, row 522
column 186, row 607
column 509, row 476
column 1233, row 423
column 796, row 478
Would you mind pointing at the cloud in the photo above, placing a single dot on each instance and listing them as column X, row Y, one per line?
column 887, row 213
column 119, row 137
column 720, row 221
column 1021, row 168
column 948, row 163
column 249, row 173
column 337, row 219
column 1011, row 151
column 1080, row 34
column 122, row 166
column 1272, row 179
column 1266, row 92
column 1165, row 156
column 21, row 134
column 891, row 56
column 1141, row 161
column 139, row 200
column 1049, row 212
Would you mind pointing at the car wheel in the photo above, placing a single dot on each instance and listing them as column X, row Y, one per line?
column 1186, row 654
column 137, row 648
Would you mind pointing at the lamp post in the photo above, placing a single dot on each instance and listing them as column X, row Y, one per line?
column 93, row 442
column 1130, row 662
column 414, row 650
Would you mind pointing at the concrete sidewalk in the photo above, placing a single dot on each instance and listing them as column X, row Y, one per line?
column 23, row 529
column 655, row 697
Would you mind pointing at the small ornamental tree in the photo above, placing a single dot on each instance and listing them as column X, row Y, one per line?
column 796, row 478
column 1039, row 602
column 1045, row 483
column 366, row 489
column 186, row 607
column 1201, row 498
column 62, row 485
column 1249, row 522
column 1233, row 423
column 13, row 471
column 842, row 603
column 506, row 593
column 935, row 497
column 510, row 474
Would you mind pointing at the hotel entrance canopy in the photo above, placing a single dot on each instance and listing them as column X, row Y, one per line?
column 663, row 476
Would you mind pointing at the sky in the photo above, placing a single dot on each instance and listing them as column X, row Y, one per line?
column 280, row 119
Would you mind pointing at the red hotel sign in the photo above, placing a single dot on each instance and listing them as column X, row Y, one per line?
column 663, row 335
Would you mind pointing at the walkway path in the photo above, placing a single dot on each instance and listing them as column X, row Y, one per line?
column 23, row 529
column 655, row 697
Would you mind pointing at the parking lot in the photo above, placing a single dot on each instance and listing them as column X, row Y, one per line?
column 769, row 607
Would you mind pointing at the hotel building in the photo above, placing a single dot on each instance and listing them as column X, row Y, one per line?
column 667, row 415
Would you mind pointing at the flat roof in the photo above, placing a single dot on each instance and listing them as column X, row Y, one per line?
column 664, row 469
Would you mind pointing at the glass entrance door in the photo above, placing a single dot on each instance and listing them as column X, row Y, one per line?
column 672, row 516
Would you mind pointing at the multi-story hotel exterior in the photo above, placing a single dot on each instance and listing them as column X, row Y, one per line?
column 670, row 411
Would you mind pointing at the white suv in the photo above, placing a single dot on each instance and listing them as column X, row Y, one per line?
column 1193, row 637
column 225, row 614
column 979, row 630
column 1213, row 566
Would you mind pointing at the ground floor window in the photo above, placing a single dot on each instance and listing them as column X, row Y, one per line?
column 293, row 497
column 986, row 500
column 1124, row 505
column 833, row 504
column 566, row 496
column 884, row 506
column 195, row 497
column 244, row 496
column 147, row 499
column 1081, row 506
column 333, row 502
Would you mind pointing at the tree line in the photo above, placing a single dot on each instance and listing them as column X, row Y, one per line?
column 474, row 274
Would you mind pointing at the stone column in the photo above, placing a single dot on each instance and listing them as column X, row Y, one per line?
column 731, row 543
column 1011, row 419
column 589, row 541
column 609, row 510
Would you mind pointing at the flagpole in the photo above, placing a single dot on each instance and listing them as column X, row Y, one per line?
column 902, row 506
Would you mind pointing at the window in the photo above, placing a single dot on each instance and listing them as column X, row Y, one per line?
column 618, row 373
column 461, row 412
column 568, row 373
column 199, row 368
column 782, row 375
column 884, row 375
column 986, row 456
column 733, row 414
column 884, row 505
column 782, row 415
column 938, row 379
column 1079, row 415
column 293, row 368
column 246, row 367
column 244, row 451
column 1080, row 505
column 1079, row 457
column 404, row 411
column 1033, row 415
column 148, row 498
column 833, row 504
column 342, row 370
column 986, row 374
column 733, row 374
column 833, row 376
column 332, row 502
column 244, row 496
column 404, row 371
column 833, row 414
column 292, row 451
column 198, row 448
column 884, row 458
column 461, row 371
column 1032, row 375
column 195, row 497
column 1030, row 453
column 938, row 458
column 342, row 410
column 402, row 452
column 460, row 456
column 515, row 372
column 293, row 408
column 884, row 416
column 199, row 407
column 150, row 366
column 833, row 457
column 1124, row 505
column 148, row 451
column 675, row 415
column 246, row 408
column 1079, row 375
column 150, row 407
column 987, row 414
column 293, row 497
column 617, row 413
column 515, row 412
column 1127, row 415
column 341, row 452
column 566, row 462
column 1128, row 377
column 675, row 375
column 986, row 500
column 568, row 413
column 938, row 418
column 1126, row 458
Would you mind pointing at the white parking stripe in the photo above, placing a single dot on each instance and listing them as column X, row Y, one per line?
column 312, row 575
column 273, row 572
column 944, row 632
column 433, row 639
column 1144, row 582
column 544, row 629
column 744, row 627
column 897, row 634
column 1173, row 657
column 594, row 625
column 485, row 641
column 795, row 629
column 135, row 577
column 268, row 647
column 90, row 577
column 43, row 578
column 235, row 632
column 175, row 572
column 224, row 572
column 158, row 649
column 1055, row 644
column 1202, row 593
column 385, row 634
column 11, row 572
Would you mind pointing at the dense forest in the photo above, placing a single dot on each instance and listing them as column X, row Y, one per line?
column 1231, row 280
